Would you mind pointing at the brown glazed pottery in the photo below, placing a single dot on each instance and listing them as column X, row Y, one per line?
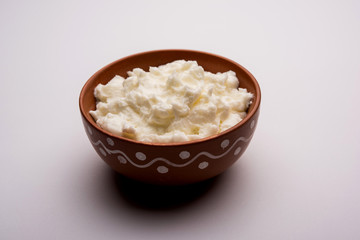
column 170, row 163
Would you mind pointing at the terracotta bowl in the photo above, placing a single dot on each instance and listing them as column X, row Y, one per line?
column 170, row 163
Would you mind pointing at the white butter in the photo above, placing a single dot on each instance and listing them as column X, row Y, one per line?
column 175, row 102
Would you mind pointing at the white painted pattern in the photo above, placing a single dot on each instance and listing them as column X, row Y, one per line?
column 237, row 151
column 184, row 155
column 123, row 158
column 203, row 165
column 225, row 143
column 162, row 169
column 110, row 141
column 102, row 151
column 252, row 125
column 139, row 156
column 89, row 130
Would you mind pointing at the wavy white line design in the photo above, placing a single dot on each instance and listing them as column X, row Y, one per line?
column 160, row 159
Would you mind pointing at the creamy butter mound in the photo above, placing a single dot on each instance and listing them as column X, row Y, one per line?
column 175, row 102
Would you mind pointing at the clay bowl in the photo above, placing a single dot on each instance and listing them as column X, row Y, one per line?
column 170, row 163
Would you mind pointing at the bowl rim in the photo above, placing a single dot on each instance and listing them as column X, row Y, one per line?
column 238, row 125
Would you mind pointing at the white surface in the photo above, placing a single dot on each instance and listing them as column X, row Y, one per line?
column 299, row 178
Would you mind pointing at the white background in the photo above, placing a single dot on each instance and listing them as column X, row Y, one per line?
column 299, row 178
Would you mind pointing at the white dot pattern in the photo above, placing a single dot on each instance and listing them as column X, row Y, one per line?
column 102, row 151
column 110, row 141
column 184, row 155
column 203, row 165
column 225, row 143
column 121, row 159
column 162, row 169
column 237, row 151
column 141, row 156
column 252, row 125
